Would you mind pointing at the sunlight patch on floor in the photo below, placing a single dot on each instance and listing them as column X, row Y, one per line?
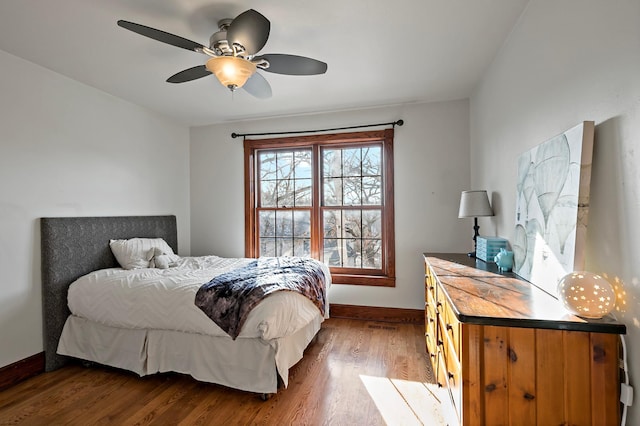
column 403, row 402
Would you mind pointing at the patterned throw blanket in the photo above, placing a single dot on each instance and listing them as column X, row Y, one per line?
column 229, row 298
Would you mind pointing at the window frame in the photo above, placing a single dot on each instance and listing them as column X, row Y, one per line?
column 357, row 276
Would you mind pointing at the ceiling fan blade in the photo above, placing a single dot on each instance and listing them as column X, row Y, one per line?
column 189, row 74
column 292, row 64
column 250, row 30
column 258, row 86
column 162, row 36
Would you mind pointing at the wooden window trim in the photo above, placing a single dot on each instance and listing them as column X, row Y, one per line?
column 343, row 275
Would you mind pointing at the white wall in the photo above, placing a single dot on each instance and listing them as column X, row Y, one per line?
column 431, row 155
column 564, row 63
column 69, row 150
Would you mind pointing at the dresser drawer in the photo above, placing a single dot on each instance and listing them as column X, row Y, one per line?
column 451, row 327
column 441, row 369
column 431, row 316
column 441, row 300
column 453, row 373
column 431, row 328
column 454, row 386
column 452, row 356
column 452, row 391
column 451, row 364
column 430, row 282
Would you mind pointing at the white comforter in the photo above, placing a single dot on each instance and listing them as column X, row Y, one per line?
column 164, row 299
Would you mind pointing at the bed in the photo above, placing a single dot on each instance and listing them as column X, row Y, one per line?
column 76, row 262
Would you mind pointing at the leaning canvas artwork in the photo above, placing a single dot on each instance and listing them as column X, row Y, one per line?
column 552, row 206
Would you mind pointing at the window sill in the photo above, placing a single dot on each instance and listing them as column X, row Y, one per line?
column 368, row 280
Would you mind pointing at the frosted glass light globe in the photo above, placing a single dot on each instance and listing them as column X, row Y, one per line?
column 586, row 294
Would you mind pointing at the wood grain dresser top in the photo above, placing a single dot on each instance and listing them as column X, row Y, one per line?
column 480, row 294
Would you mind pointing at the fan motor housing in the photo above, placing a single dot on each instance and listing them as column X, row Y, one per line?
column 218, row 43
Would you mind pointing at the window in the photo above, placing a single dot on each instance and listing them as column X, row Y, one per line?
column 329, row 197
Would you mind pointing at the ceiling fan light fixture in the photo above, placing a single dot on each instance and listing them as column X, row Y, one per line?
column 232, row 51
column 231, row 71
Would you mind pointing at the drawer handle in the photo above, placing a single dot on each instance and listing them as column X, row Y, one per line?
column 438, row 305
column 450, row 375
column 431, row 319
column 440, row 343
column 449, row 327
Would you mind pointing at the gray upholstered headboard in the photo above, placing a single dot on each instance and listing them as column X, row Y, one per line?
column 74, row 246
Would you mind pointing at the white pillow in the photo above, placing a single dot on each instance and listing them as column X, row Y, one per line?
column 135, row 253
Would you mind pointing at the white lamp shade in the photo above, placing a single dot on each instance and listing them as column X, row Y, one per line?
column 586, row 294
column 474, row 204
column 231, row 71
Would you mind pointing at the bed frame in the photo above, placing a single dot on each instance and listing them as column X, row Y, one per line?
column 74, row 246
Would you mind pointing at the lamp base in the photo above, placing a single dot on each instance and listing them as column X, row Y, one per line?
column 476, row 228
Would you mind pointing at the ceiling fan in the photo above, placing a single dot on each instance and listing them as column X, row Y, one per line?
column 232, row 50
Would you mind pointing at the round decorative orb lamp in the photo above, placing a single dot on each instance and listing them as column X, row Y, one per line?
column 586, row 294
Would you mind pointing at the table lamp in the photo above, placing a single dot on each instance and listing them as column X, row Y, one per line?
column 474, row 204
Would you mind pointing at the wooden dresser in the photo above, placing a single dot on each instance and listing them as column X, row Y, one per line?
column 506, row 352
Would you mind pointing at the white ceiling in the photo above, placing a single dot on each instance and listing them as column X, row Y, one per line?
column 378, row 52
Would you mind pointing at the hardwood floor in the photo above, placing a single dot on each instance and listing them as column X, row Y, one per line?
column 356, row 373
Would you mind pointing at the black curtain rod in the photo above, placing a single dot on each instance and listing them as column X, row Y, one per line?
column 392, row 123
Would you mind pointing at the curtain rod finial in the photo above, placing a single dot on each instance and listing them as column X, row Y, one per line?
column 399, row 122
column 234, row 135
